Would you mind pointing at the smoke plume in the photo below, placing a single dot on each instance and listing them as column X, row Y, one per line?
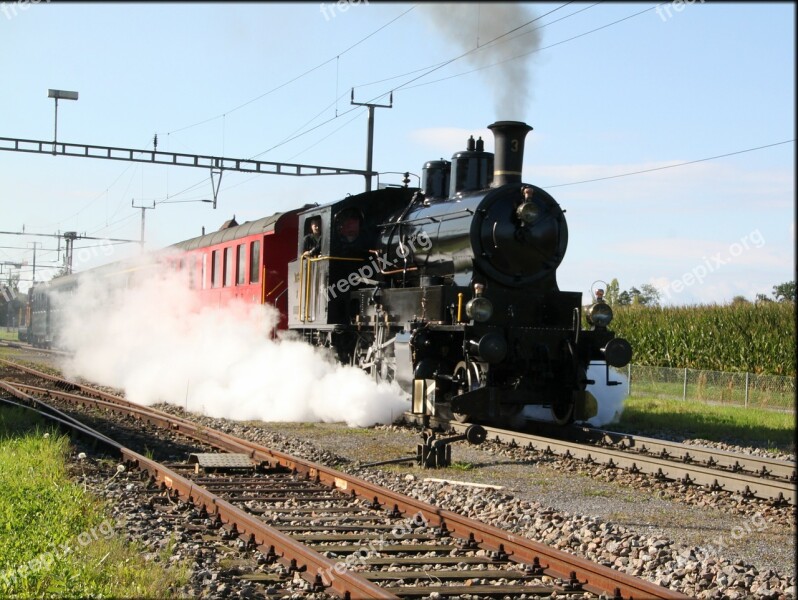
column 157, row 343
column 471, row 27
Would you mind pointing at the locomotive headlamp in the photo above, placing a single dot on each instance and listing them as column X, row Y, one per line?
column 600, row 314
column 479, row 308
column 527, row 212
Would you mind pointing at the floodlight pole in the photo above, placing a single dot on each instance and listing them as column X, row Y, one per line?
column 55, row 132
column 56, row 94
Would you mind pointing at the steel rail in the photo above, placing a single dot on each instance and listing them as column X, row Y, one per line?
column 61, row 416
column 256, row 532
column 748, row 485
column 593, row 577
column 61, row 381
column 755, row 465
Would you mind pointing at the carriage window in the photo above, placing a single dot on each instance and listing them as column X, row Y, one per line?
column 192, row 266
column 242, row 264
column 204, row 270
column 254, row 262
column 216, row 269
column 228, row 267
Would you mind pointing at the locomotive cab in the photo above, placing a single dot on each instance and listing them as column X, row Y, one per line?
column 321, row 304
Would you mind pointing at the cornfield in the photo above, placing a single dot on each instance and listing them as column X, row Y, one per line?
column 752, row 338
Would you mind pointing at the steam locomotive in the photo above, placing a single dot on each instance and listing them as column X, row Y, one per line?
column 449, row 290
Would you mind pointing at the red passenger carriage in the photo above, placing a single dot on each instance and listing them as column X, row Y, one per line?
column 246, row 262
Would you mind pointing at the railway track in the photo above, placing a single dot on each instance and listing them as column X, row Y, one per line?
column 717, row 470
column 27, row 346
column 342, row 534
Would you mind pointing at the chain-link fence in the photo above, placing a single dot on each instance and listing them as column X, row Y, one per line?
column 743, row 389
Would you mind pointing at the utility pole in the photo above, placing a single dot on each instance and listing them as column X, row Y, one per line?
column 143, row 208
column 370, row 138
column 69, row 238
column 34, row 260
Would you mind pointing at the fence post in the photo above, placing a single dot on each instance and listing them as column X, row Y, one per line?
column 746, row 389
column 684, row 390
column 629, row 379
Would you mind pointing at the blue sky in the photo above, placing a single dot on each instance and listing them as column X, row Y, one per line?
column 607, row 90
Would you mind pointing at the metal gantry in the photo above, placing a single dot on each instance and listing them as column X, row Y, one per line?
column 216, row 164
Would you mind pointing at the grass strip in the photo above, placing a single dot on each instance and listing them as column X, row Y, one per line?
column 771, row 430
column 56, row 540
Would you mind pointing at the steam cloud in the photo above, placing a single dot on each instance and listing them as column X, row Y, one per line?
column 154, row 341
column 467, row 25
column 610, row 398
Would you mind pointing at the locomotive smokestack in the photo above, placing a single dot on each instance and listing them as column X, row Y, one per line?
column 509, row 151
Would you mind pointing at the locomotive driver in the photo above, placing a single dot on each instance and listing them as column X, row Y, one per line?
column 311, row 245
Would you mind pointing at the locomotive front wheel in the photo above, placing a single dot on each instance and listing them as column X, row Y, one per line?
column 467, row 378
column 376, row 358
column 563, row 411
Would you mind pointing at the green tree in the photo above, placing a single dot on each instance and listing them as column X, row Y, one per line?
column 785, row 292
column 649, row 295
column 612, row 292
column 761, row 298
column 624, row 298
column 739, row 300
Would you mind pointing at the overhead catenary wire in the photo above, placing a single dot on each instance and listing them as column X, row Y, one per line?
column 426, row 72
column 437, row 66
column 298, row 77
column 411, row 86
column 299, row 132
column 223, row 116
column 681, row 164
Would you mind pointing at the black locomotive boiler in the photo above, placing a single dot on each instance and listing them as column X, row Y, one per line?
column 451, row 290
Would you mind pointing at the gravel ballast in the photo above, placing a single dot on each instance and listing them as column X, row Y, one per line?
column 709, row 546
